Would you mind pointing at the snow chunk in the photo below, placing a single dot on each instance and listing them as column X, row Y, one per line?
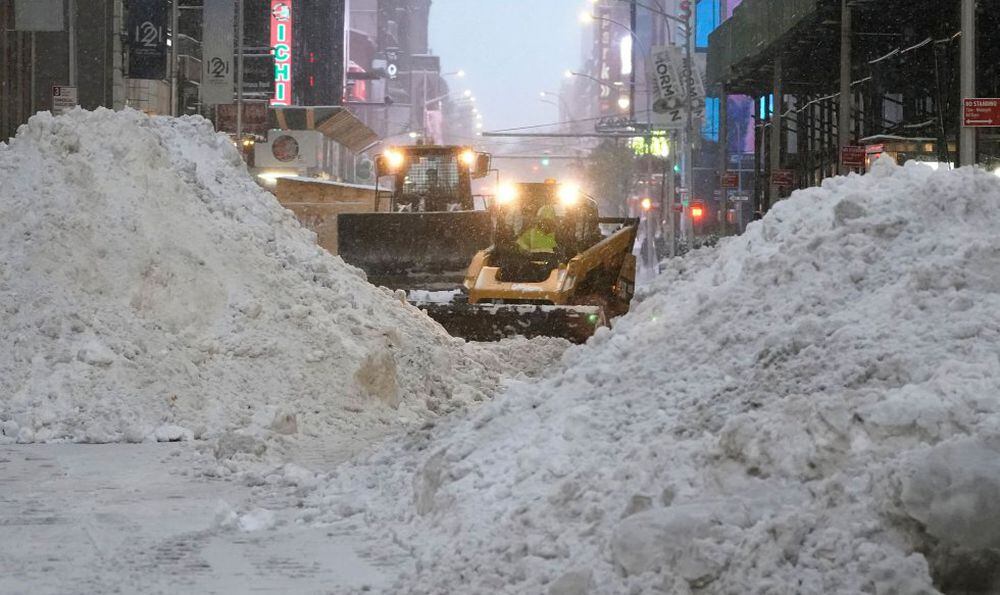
column 954, row 490
column 258, row 519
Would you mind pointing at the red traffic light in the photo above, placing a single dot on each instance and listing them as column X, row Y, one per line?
column 697, row 212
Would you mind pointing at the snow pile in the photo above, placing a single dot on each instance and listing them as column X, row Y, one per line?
column 150, row 290
column 810, row 408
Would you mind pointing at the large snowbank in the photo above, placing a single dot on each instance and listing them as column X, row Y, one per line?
column 810, row 408
column 150, row 290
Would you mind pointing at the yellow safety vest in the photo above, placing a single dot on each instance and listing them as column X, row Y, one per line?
column 536, row 240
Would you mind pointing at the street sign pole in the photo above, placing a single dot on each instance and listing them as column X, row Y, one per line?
column 239, row 73
column 174, row 66
column 71, row 9
column 689, row 102
column 668, row 173
column 846, row 100
column 723, row 154
column 967, row 145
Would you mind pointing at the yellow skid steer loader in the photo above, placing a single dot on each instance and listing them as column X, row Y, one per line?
column 550, row 271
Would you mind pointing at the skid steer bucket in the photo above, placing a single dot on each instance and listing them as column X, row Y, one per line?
column 492, row 322
column 413, row 250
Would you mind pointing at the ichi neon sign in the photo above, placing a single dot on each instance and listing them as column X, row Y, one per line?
column 281, row 42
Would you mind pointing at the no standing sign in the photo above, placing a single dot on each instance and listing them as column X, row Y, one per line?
column 981, row 113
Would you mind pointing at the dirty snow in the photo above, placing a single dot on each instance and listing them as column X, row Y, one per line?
column 149, row 290
column 809, row 408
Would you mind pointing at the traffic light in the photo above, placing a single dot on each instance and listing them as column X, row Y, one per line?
column 685, row 7
column 545, row 162
column 697, row 211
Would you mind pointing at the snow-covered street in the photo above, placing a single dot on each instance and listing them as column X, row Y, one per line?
column 135, row 519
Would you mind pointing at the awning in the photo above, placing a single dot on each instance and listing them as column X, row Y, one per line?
column 335, row 122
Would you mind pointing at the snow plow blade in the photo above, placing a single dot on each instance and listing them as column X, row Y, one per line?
column 492, row 322
column 413, row 250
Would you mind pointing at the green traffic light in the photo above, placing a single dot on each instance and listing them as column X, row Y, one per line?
column 677, row 168
column 545, row 162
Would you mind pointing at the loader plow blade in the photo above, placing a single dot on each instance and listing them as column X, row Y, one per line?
column 413, row 250
column 492, row 322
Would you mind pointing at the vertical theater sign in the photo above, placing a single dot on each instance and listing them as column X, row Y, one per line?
column 281, row 42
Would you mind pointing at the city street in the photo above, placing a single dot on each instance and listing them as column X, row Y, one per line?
column 519, row 297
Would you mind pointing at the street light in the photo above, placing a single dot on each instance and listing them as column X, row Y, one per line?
column 562, row 100
column 459, row 73
column 571, row 74
column 466, row 96
column 587, row 18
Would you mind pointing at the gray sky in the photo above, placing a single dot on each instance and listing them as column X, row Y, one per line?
column 511, row 49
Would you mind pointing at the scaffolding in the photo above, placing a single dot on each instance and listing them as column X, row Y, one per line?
column 901, row 73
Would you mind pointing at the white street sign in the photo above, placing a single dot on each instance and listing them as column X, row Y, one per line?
column 63, row 99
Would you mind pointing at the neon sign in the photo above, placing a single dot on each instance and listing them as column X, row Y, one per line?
column 281, row 44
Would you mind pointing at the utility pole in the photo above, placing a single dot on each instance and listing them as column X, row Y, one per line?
column 776, row 133
column 633, row 20
column 71, row 9
column 967, row 144
column 239, row 72
column 174, row 66
column 846, row 99
column 668, row 174
column 688, row 142
column 723, row 155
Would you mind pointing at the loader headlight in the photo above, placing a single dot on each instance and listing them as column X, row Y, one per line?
column 506, row 194
column 468, row 158
column 569, row 194
column 394, row 159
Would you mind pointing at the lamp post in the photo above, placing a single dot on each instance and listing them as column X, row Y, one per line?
column 571, row 74
column 466, row 95
column 562, row 101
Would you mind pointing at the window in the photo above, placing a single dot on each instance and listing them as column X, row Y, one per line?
column 710, row 129
column 707, row 18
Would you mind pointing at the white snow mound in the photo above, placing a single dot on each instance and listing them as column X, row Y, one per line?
column 811, row 408
column 149, row 290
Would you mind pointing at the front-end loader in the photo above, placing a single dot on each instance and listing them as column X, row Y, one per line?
column 427, row 224
column 550, row 271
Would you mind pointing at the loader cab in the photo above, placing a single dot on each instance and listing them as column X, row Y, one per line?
column 421, row 179
column 557, row 210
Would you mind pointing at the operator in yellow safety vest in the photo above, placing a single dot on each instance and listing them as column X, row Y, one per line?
column 541, row 236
